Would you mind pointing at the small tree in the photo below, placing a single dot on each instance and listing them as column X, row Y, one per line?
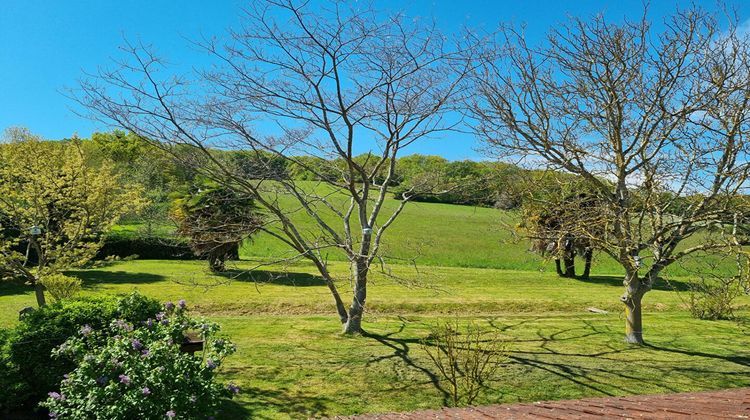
column 54, row 207
column 655, row 123
column 215, row 220
column 303, row 83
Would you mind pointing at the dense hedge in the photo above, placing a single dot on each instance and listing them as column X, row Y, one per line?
column 28, row 372
column 145, row 248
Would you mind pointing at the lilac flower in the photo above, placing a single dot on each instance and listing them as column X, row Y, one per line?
column 146, row 391
column 210, row 364
column 164, row 321
column 124, row 379
column 234, row 389
column 86, row 330
column 137, row 345
column 53, row 414
column 182, row 304
column 55, row 395
column 149, row 322
column 169, row 306
column 171, row 414
column 145, row 353
column 160, row 316
column 123, row 325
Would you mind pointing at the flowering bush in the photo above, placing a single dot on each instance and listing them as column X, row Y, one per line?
column 139, row 371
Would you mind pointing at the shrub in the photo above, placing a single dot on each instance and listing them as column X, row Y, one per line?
column 147, row 248
column 713, row 291
column 466, row 359
column 61, row 286
column 713, row 301
column 48, row 327
column 14, row 390
column 129, row 371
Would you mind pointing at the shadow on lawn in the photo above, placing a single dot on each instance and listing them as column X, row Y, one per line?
column 605, row 367
column 661, row 284
column 8, row 288
column 273, row 277
column 93, row 278
column 277, row 400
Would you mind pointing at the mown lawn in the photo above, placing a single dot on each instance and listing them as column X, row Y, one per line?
column 292, row 362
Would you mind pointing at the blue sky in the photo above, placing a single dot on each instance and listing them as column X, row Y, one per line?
column 46, row 45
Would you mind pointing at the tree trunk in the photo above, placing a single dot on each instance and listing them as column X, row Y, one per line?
column 558, row 267
column 570, row 265
column 216, row 263
column 353, row 325
column 634, row 320
column 587, row 255
column 634, row 292
column 39, row 291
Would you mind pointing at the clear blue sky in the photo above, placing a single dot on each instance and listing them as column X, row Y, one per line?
column 45, row 45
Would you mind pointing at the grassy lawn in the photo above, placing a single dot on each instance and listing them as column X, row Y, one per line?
column 292, row 362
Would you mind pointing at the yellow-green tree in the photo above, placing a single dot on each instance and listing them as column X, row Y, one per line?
column 54, row 207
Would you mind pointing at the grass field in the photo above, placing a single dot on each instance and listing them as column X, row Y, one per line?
column 292, row 361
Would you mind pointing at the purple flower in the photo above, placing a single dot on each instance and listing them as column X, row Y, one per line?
column 234, row 389
column 145, row 353
column 210, row 364
column 53, row 414
column 123, row 325
column 146, row 391
column 136, row 344
column 182, row 304
column 164, row 321
column 149, row 322
column 169, row 306
column 55, row 395
column 170, row 414
column 160, row 316
column 86, row 330
column 124, row 379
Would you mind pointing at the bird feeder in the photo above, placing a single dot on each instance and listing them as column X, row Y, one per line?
column 191, row 342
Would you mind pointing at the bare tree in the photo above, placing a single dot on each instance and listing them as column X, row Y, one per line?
column 327, row 81
column 655, row 123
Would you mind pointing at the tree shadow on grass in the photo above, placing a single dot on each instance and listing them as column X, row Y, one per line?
column 661, row 284
column 8, row 288
column 566, row 354
column 279, row 400
column 401, row 348
column 273, row 277
column 94, row 278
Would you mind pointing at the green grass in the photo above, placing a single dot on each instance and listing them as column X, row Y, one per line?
column 292, row 361
column 433, row 234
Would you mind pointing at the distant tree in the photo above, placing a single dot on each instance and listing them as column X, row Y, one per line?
column 137, row 162
column 54, row 206
column 635, row 113
column 325, row 81
column 552, row 225
column 215, row 220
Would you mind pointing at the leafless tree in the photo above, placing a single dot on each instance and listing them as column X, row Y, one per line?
column 312, row 79
column 654, row 121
